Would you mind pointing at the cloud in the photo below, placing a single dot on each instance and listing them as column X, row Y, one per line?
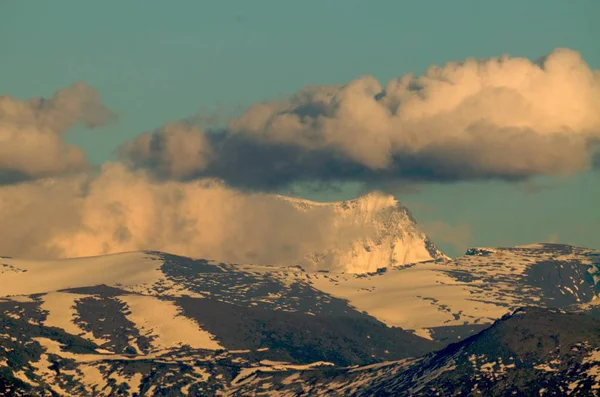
column 178, row 150
column 32, row 132
column 119, row 210
column 504, row 118
column 500, row 118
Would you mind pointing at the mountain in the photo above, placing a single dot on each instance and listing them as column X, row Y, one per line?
column 541, row 352
column 375, row 231
column 449, row 300
column 153, row 323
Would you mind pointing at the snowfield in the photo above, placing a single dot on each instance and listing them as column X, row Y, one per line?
column 35, row 277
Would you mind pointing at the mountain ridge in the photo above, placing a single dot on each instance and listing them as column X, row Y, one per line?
column 531, row 351
column 153, row 323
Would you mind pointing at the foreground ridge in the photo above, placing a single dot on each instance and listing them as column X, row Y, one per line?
column 531, row 352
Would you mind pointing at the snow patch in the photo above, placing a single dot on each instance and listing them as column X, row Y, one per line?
column 162, row 321
column 61, row 313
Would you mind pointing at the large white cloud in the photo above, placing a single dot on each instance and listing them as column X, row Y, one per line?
column 32, row 132
column 506, row 118
column 119, row 210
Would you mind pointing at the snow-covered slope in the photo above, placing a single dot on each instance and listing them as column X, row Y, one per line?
column 428, row 297
column 25, row 277
column 389, row 235
column 437, row 299
column 136, row 320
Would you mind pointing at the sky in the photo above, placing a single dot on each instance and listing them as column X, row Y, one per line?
column 155, row 65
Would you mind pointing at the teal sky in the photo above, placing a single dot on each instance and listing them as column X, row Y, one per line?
column 155, row 61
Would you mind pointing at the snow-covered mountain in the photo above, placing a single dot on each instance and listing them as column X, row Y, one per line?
column 389, row 235
column 152, row 323
column 444, row 300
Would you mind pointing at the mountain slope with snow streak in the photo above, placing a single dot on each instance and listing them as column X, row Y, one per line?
column 541, row 352
column 152, row 323
column 428, row 297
